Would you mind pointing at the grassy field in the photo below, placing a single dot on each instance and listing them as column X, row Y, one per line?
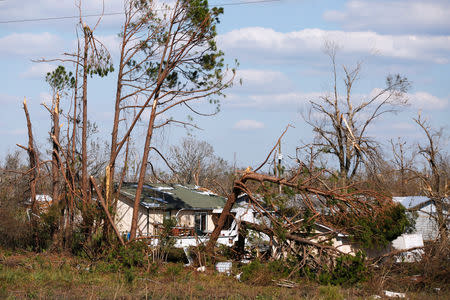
column 45, row 275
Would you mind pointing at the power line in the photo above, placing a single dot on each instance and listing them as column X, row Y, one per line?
column 121, row 13
column 58, row 18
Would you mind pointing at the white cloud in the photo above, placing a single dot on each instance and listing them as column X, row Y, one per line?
column 267, row 80
column 400, row 16
column 297, row 100
column 38, row 70
column 248, row 125
column 260, row 77
column 265, row 43
column 418, row 100
column 426, row 101
column 111, row 42
column 280, row 101
column 31, row 44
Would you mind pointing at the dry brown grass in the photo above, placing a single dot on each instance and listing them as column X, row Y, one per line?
column 58, row 276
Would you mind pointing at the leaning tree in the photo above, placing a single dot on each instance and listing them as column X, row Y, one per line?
column 169, row 60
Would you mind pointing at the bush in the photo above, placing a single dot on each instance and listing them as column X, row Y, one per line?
column 259, row 273
column 132, row 255
column 348, row 270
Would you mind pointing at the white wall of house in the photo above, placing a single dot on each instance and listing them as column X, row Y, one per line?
column 426, row 224
column 209, row 223
column 145, row 223
column 186, row 218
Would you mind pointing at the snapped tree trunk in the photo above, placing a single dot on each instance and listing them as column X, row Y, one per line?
column 34, row 162
column 55, row 152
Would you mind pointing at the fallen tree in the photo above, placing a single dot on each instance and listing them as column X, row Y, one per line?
column 290, row 218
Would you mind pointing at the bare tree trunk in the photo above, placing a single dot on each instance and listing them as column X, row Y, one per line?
column 70, row 164
column 55, row 156
column 84, row 175
column 137, row 199
column 58, row 236
column 34, row 161
column 110, row 169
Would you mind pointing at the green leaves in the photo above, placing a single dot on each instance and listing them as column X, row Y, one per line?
column 378, row 230
column 59, row 80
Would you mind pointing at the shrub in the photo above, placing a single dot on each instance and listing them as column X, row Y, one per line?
column 132, row 255
column 257, row 273
column 348, row 270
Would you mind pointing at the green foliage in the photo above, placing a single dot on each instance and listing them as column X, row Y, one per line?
column 129, row 275
column 378, row 230
column 348, row 270
column 59, row 80
column 279, row 268
column 260, row 273
column 176, row 255
column 280, row 232
column 46, row 226
column 249, row 270
column 307, row 225
column 166, row 240
column 132, row 255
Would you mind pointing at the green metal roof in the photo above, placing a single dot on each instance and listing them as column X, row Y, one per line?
column 176, row 196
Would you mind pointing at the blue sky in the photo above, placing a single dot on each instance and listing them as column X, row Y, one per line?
column 279, row 46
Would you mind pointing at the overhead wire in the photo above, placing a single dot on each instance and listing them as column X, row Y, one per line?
column 121, row 13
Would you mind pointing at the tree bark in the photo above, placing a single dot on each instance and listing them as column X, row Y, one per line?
column 55, row 156
column 84, row 175
column 34, row 161
column 222, row 219
column 143, row 170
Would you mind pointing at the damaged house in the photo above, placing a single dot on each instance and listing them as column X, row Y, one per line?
column 195, row 209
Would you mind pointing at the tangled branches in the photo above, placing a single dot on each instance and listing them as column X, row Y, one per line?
column 309, row 220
